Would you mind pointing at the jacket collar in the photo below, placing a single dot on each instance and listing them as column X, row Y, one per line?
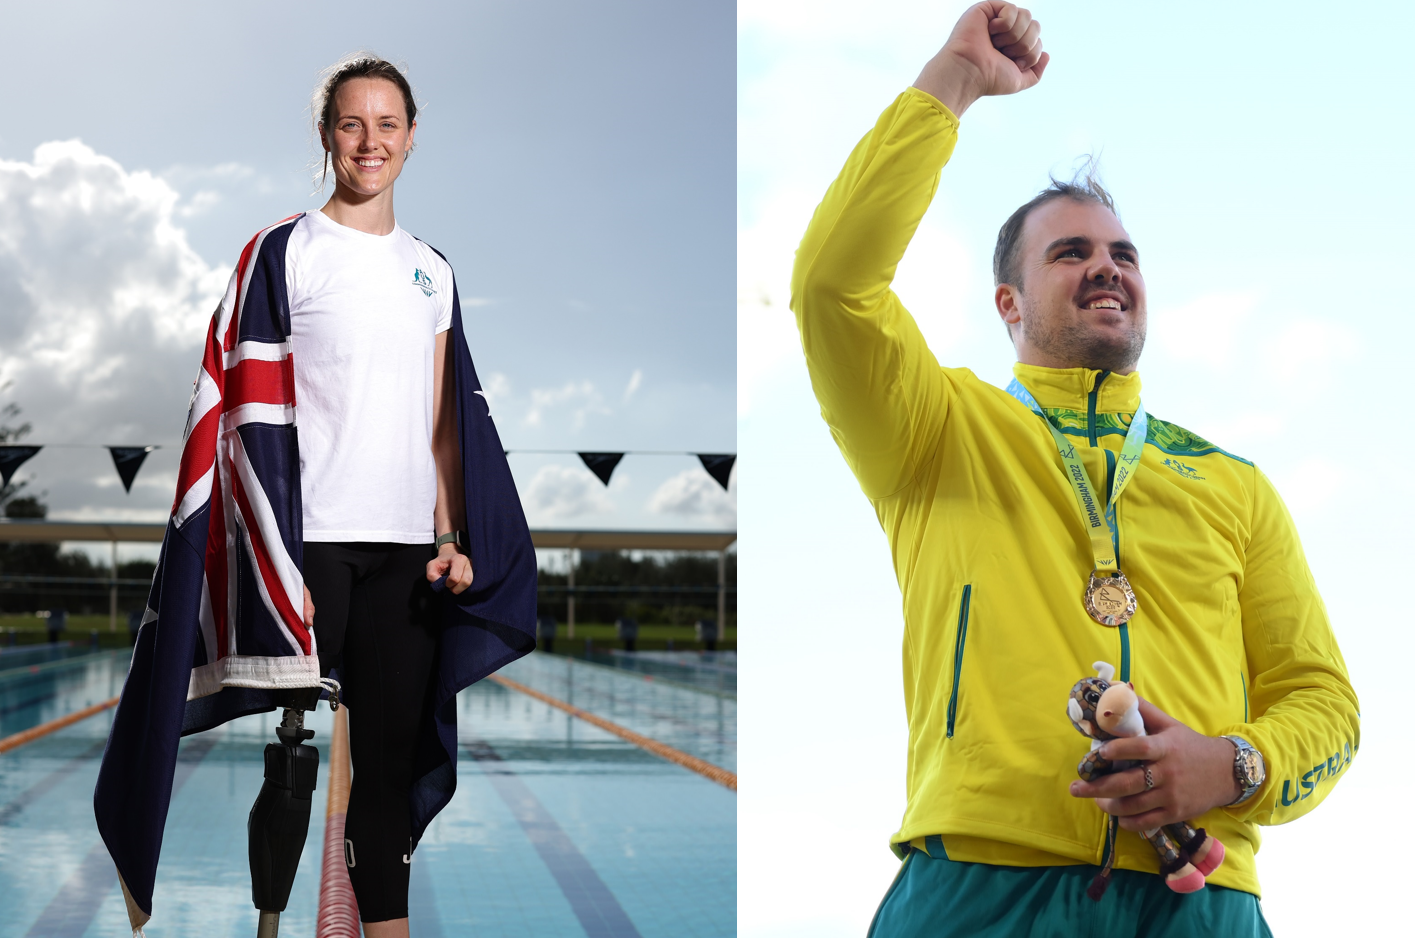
column 1070, row 388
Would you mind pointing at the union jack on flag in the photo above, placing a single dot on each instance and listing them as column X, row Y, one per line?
column 224, row 630
column 239, row 447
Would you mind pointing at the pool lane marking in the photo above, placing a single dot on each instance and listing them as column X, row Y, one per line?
column 71, row 912
column 423, row 917
column 44, row 729
column 31, row 794
column 652, row 678
column 48, row 694
column 593, row 694
column 338, row 915
column 600, row 914
column 25, row 670
column 662, row 750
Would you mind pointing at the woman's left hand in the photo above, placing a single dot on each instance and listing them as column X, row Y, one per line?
column 454, row 565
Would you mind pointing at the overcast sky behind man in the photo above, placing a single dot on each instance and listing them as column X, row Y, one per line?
column 1259, row 159
column 584, row 201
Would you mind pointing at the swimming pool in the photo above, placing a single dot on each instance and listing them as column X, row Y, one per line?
column 557, row 827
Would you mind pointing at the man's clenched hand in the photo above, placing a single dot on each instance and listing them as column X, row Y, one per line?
column 996, row 48
column 1192, row 774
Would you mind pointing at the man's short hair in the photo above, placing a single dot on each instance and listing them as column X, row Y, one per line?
column 1085, row 186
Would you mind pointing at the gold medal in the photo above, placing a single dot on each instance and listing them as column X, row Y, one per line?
column 1109, row 599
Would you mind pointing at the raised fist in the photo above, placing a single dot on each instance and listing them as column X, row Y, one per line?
column 996, row 48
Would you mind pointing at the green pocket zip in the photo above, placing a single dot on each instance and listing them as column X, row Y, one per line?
column 958, row 640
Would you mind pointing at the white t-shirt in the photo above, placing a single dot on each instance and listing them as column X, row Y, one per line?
column 365, row 311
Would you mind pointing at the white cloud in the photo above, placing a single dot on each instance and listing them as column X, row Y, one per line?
column 200, row 203
column 103, row 303
column 635, row 380
column 209, row 186
column 582, row 399
column 694, row 494
column 496, row 389
column 558, row 493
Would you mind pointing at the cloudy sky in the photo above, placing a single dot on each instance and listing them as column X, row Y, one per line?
column 1259, row 156
column 574, row 163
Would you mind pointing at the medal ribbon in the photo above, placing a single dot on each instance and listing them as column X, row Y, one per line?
column 1100, row 520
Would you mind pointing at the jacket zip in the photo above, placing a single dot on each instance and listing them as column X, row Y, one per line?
column 1124, row 629
column 1093, row 435
column 1115, row 544
column 958, row 640
column 1091, row 406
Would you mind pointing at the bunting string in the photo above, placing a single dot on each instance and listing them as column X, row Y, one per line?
column 718, row 465
column 126, row 459
column 129, row 459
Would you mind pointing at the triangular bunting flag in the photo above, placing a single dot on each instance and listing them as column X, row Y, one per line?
column 602, row 464
column 10, row 459
column 128, row 460
column 718, row 465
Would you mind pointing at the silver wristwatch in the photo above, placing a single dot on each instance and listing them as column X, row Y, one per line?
column 1248, row 768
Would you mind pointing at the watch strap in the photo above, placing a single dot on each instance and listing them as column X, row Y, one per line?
column 451, row 537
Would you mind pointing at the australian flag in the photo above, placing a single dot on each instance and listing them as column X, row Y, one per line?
column 224, row 632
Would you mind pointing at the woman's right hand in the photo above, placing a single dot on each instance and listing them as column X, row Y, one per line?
column 309, row 609
column 453, row 564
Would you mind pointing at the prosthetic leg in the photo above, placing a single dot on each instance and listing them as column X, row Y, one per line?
column 280, row 817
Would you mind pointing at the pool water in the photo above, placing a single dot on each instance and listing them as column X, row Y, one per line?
column 558, row 828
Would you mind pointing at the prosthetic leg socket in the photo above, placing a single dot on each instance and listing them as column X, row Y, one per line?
column 280, row 819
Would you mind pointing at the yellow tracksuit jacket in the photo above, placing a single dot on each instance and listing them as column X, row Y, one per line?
column 1231, row 636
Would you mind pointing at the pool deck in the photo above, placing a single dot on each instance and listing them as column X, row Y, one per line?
column 558, row 828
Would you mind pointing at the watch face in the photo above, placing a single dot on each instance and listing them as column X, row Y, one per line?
column 1251, row 767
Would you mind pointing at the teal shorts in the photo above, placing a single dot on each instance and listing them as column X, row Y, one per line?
column 937, row 897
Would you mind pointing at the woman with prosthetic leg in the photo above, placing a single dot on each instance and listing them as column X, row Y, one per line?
column 395, row 481
column 370, row 313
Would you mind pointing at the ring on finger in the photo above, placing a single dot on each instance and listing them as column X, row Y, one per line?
column 1149, row 779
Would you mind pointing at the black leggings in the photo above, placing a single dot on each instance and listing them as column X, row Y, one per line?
column 371, row 623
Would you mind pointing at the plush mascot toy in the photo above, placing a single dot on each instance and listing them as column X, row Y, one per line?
column 1104, row 709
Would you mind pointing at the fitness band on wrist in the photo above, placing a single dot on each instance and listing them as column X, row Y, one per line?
column 451, row 537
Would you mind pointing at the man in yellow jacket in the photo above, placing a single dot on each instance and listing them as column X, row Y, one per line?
column 1042, row 528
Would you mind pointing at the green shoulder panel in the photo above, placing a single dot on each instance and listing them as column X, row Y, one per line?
column 1074, row 422
column 1176, row 441
column 1167, row 437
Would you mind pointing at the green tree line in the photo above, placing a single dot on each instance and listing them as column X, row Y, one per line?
column 47, row 560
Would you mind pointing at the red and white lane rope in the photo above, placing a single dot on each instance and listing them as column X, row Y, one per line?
column 338, row 912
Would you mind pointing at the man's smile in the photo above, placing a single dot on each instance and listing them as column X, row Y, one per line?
column 1104, row 301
